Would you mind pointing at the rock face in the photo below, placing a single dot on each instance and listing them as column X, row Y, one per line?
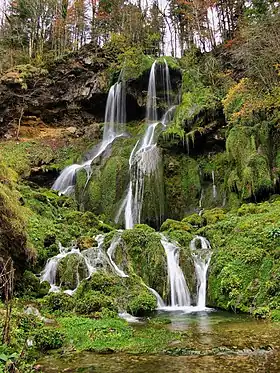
column 72, row 90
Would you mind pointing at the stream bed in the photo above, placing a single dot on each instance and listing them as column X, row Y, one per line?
column 212, row 341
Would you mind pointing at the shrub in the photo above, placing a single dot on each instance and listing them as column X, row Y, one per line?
column 142, row 304
column 59, row 301
column 48, row 339
column 93, row 302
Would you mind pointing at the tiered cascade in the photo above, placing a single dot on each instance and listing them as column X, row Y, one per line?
column 143, row 163
column 145, row 157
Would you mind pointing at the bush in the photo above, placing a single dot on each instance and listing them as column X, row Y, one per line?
column 142, row 304
column 93, row 302
column 31, row 287
column 48, row 339
column 59, row 302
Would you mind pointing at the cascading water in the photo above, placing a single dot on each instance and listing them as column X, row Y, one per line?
column 180, row 295
column 115, row 118
column 145, row 156
column 93, row 259
column 201, row 256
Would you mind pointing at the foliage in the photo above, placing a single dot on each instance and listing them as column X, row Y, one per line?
column 142, row 305
column 94, row 302
column 48, row 339
column 59, row 302
column 245, row 261
column 31, row 287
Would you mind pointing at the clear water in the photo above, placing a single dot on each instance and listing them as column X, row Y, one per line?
column 217, row 342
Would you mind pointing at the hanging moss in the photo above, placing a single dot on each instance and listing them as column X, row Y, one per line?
column 249, row 172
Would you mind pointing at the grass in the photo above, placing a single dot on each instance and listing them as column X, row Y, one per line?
column 86, row 334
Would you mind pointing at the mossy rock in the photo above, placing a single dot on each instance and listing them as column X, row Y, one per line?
column 70, row 271
column 94, row 301
column 142, row 304
column 214, row 215
column 195, row 220
column 59, row 302
column 116, row 292
column 145, row 256
column 173, row 225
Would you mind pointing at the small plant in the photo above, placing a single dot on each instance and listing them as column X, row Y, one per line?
column 274, row 233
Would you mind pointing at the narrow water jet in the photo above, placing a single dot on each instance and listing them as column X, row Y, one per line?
column 214, row 187
column 179, row 292
column 110, row 252
column 202, row 257
column 160, row 302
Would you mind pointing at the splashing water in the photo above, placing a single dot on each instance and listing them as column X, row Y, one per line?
column 180, row 295
column 202, row 257
column 115, row 117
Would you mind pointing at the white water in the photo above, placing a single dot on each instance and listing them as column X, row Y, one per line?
column 145, row 156
column 115, row 117
column 93, row 258
column 202, row 257
column 214, row 185
column 160, row 302
column 110, row 252
column 180, row 295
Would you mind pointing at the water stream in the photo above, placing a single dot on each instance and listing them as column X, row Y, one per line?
column 215, row 342
column 115, row 118
column 145, row 156
column 202, row 257
column 179, row 292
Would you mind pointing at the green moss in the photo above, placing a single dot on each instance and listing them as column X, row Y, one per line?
column 93, row 302
column 195, row 220
column 244, row 266
column 142, row 305
column 106, row 290
column 70, row 270
column 145, row 257
column 59, row 302
column 249, row 171
column 214, row 215
column 172, row 225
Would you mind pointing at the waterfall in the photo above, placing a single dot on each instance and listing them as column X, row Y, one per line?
column 202, row 257
column 214, row 185
column 115, row 117
column 145, row 157
column 180, row 295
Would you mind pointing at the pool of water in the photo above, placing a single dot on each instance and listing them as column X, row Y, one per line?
column 213, row 341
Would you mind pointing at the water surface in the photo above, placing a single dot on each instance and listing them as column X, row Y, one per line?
column 212, row 342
